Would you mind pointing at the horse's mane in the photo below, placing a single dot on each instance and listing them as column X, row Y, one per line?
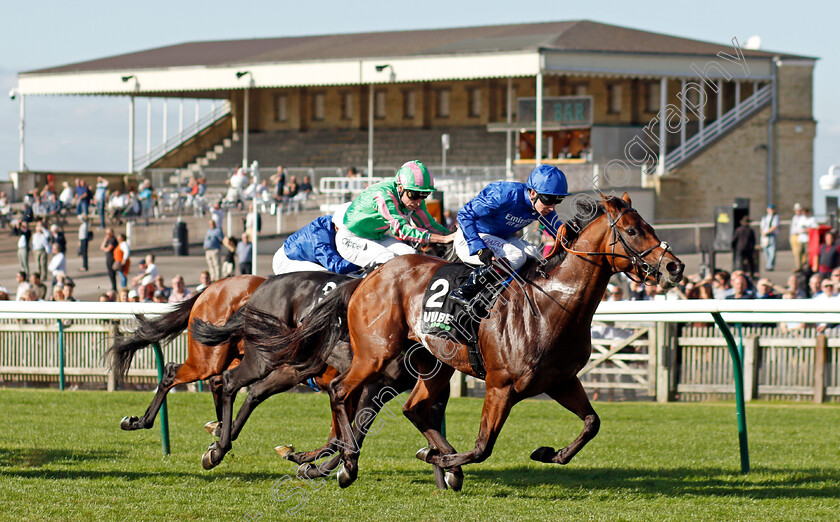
column 586, row 210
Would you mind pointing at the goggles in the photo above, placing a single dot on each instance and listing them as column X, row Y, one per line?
column 414, row 195
column 550, row 199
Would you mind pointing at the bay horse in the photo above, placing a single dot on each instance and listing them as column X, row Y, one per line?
column 534, row 341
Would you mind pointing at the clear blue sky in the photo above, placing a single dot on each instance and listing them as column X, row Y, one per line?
column 86, row 133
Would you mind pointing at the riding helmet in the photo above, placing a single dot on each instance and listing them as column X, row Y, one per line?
column 548, row 179
column 413, row 175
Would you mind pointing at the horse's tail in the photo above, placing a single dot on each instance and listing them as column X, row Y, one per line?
column 160, row 330
column 307, row 346
column 209, row 334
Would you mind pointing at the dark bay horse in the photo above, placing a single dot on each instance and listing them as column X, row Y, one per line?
column 294, row 295
column 214, row 304
column 270, row 316
column 527, row 349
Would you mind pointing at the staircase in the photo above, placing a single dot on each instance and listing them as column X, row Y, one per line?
column 711, row 132
column 193, row 133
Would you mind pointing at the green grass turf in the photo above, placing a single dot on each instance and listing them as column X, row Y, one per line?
column 63, row 456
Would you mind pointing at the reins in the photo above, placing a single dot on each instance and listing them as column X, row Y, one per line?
column 640, row 268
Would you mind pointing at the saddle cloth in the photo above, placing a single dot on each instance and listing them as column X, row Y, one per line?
column 444, row 318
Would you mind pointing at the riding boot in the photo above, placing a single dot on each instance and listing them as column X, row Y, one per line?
column 471, row 287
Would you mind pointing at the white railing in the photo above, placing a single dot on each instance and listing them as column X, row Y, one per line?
column 733, row 117
column 335, row 191
column 175, row 141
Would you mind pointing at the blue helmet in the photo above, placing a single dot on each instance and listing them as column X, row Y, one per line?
column 548, row 179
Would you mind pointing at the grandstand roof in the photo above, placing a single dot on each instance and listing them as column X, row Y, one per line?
column 518, row 43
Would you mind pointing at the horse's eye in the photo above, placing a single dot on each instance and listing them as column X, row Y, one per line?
column 632, row 231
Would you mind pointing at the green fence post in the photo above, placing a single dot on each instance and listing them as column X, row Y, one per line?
column 738, row 371
column 164, row 413
column 60, row 355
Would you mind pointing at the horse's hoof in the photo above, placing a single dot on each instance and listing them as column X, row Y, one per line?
column 345, row 478
column 129, row 423
column 543, row 454
column 455, row 480
column 425, row 454
column 303, row 471
column 207, row 460
column 285, row 451
column 212, row 428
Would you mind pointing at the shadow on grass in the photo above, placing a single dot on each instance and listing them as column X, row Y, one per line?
column 37, row 457
column 709, row 482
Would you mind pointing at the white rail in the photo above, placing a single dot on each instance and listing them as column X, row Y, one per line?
column 175, row 141
column 753, row 311
column 718, row 127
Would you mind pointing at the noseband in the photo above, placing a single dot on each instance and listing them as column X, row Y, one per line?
column 641, row 268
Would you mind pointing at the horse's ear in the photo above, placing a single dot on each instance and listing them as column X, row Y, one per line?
column 626, row 198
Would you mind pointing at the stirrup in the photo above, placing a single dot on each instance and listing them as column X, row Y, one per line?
column 457, row 297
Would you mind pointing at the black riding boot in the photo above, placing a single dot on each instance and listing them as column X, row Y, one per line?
column 471, row 287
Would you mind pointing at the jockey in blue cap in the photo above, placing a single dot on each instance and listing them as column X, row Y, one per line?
column 312, row 248
column 488, row 224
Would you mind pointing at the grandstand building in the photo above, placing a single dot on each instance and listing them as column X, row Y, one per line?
column 691, row 124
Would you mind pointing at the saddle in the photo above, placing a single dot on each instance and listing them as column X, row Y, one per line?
column 444, row 318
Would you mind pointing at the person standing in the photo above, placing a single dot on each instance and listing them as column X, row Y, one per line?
column 109, row 243
column 23, row 285
column 23, row 246
column 58, row 264
column 84, row 237
column 228, row 256
column 83, row 197
column 40, row 245
column 146, row 200
column 99, row 197
column 125, row 250
column 57, row 236
column 279, row 179
column 743, row 248
column 769, row 231
column 829, row 258
column 36, row 285
column 797, row 223
column 212, row 243
column 244, row 254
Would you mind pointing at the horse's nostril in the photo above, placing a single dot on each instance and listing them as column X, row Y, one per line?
column 675, row 268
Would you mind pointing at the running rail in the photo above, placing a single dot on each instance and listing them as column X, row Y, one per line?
column 723, row 312
column 679, row 311
column 91, row 310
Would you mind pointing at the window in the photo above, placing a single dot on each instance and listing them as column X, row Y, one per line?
column 614, row 98
column 347, row 106
column 318, row 106
column 652, row 97
column 408, row 105
column 443, row 103
column 379, row 105
column 281, row 107
column 579, row 89
column 474, row 101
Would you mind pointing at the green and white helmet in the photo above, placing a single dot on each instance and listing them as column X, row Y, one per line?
column 413, row 175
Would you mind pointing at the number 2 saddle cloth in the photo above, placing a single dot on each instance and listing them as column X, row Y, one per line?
column 444, row 318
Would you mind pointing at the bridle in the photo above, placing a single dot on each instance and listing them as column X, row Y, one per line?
column 641, row 268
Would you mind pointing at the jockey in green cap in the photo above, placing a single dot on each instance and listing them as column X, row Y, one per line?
column 396, row 206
